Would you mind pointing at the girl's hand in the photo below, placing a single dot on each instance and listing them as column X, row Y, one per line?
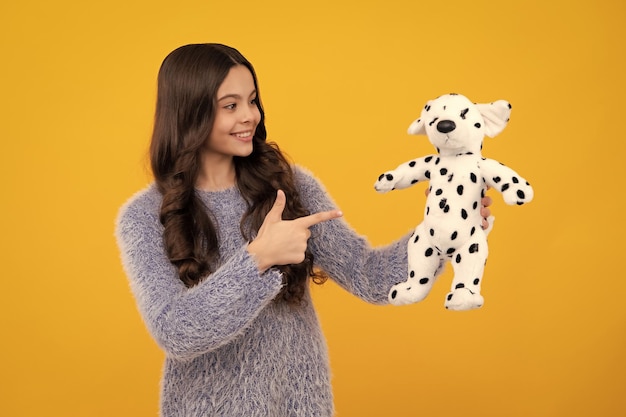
column 485, row 211
column 283, row 242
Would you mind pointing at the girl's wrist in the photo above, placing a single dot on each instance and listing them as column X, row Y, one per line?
column 258, row 259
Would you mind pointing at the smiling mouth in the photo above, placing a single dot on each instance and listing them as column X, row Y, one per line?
column 243, row 135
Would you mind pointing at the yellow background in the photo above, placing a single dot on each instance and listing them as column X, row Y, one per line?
column 341, row 81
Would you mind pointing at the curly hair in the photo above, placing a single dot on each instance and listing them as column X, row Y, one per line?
column 188, row 81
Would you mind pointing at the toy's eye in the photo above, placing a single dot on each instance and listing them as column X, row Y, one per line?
column 463, row 113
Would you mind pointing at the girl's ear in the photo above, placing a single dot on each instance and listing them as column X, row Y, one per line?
column 496, row 116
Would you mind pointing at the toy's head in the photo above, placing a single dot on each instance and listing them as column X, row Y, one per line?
column 455, row 125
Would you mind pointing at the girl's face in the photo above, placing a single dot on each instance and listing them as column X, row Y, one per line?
column 236, row 116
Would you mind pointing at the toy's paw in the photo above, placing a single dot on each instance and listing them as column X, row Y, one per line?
column 408, row 292
column 516, row 192
column 463, row 299
column 386, row 182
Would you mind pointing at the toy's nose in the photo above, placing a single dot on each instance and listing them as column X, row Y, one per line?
column 446, row 126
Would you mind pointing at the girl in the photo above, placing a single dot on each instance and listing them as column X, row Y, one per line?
column 220, row 248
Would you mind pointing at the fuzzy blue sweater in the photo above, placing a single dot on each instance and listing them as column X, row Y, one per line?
column 231, row 348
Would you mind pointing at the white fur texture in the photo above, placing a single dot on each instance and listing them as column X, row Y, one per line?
column 458, row 177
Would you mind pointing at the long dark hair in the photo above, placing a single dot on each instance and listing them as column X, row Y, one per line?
column 188, row 81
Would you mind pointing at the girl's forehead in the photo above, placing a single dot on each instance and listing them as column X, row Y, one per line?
column 238, row 81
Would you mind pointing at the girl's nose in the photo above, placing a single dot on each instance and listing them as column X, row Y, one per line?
column 247, row 114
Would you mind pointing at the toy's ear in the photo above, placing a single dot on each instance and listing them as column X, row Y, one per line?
column 417, row 127
column 496, row 116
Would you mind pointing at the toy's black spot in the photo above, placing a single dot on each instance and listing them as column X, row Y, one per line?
column 427, row 174
column 393, row 294
column 458, row 258
column 424, row 281
column 450, row 177
column 459, row 285
column 453, row 236
column 515, row 180
column 428, row 159
column 497, row 179
column 463, row 113
column 412, row 274
column 473, row 248
column 450, row 251
column 417, row 237
column 449, row 297
column 521, row 194
column 429, row 252
column 389, row 177
column 459, row 190
column 505, row 187
column 472, row 231
column 381, row 177
column 446, row 208
column 473, row 178
column 433, row 121
column 414, row 181
column 427, row 107
column 437, row 161
column 464, row 214
column 442, row 203
column 432, row 232
column 476, row 281
column 427, row 210
column 443, row 171
column 475, row 205
column 439, row 191
column 412, row 164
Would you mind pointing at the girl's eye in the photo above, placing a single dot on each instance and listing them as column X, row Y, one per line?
column 230, row 106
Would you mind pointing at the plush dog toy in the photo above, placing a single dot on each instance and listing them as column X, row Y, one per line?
column 458, row 176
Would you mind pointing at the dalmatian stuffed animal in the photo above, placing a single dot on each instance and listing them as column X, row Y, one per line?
column 458, row 177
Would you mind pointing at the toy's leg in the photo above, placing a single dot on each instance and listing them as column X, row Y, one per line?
column 425, row 263
column 469, row 264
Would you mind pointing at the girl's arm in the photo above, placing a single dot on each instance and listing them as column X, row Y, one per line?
column 187, row 322
column 347, row 257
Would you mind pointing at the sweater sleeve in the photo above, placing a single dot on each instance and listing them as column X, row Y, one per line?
column 187, row 322
column 347, row 257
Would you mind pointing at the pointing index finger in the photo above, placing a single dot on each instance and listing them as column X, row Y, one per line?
column 319, row 217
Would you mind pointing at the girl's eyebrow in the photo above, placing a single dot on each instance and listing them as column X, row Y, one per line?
column 235, row 96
